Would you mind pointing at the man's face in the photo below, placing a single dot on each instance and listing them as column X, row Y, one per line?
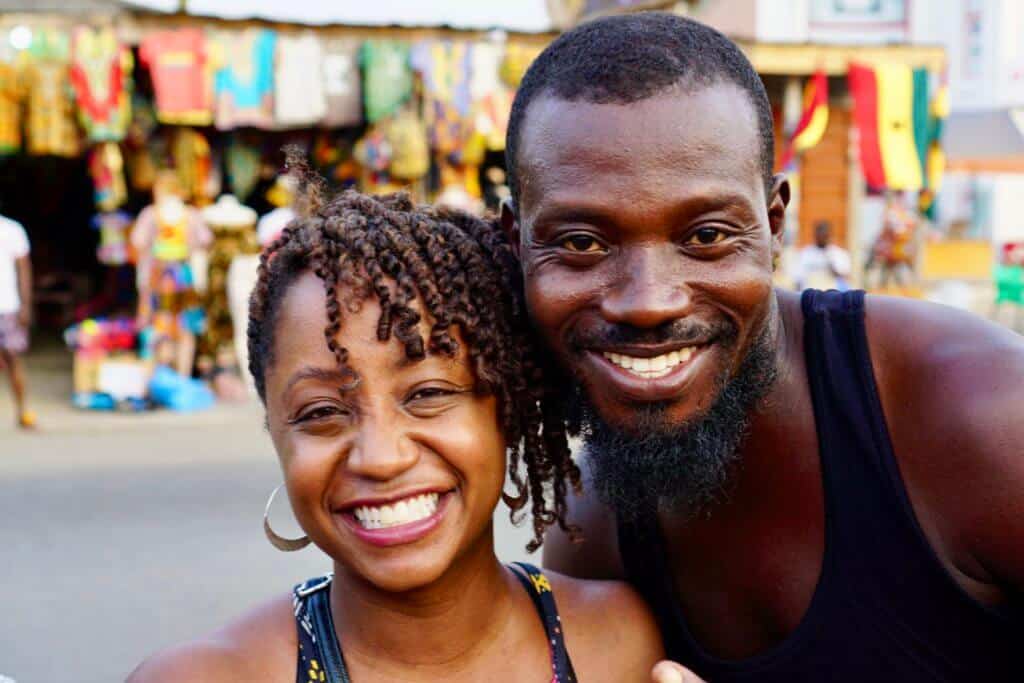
column 647, row 242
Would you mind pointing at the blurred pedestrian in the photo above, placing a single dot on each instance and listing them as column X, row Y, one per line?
column 15, row 312
column 822, row 265
column 893, row 250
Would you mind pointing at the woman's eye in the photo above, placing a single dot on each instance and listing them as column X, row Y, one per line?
column 706, row 236
column 581, row 244
column 428, row 393
column 319, row 413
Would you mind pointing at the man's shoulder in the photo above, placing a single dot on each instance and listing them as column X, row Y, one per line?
column 259, row 646
column 925, row 347
column 952, row 389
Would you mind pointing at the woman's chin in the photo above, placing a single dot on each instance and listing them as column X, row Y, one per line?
column 401, row 575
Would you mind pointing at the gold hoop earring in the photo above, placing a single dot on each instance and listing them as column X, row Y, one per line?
column 283, row 544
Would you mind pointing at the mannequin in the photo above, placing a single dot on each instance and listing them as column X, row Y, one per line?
column 234, row 236
column 165, row 236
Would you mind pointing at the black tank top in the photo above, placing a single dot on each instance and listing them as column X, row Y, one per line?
column 884, row 608
column 320, row 659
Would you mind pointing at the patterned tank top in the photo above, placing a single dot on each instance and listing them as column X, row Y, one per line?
column 320, row 658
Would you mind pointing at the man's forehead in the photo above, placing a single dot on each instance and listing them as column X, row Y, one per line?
column 710, row 131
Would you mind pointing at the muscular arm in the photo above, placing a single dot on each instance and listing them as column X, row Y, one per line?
column 597, row 555
column 952, row 386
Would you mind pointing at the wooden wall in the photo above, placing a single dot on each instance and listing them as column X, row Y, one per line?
column 824, row 179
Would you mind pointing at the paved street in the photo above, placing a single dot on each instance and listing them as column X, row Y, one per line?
column 120, row 534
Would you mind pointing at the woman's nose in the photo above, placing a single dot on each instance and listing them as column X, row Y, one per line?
column 381, row 454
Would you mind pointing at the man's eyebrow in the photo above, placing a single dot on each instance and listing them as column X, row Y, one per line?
column 559, row 212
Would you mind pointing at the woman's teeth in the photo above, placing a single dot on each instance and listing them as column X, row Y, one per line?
column 650, row 368
column 401, row 512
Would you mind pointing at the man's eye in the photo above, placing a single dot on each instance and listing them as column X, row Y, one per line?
column 706, row 236
column 581, row 244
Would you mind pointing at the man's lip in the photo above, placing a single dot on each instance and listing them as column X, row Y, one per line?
column 377, row 501
column 648, row 389
column 648, row 350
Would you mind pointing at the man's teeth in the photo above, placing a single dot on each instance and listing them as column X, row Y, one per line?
column 400, row 512
column 659, row 366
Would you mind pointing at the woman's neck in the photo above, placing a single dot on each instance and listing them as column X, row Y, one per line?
column 439, row 625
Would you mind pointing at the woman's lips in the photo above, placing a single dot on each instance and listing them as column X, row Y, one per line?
column 398, row 534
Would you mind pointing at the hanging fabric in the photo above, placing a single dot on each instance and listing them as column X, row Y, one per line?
column 12, row 96
column 101, row 75
column 244, row 84
column 51, row 124
column 180, row 65
column 387, row 78
column 299, row 98
column 106, row 167
column 342, row 87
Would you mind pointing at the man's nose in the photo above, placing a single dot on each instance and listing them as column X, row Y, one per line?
column 381, row 453
column 649, row 291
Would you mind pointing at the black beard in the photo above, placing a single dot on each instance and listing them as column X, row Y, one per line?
column 684, row 468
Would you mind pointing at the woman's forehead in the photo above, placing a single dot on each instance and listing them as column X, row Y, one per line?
column 303, row 319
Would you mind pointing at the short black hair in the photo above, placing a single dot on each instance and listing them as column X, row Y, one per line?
column 628, row 58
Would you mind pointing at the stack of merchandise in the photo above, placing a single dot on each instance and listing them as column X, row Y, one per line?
column 108, row 374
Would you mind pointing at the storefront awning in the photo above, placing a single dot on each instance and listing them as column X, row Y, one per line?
column 985, row 141
column 786, row 59
column 526, row 16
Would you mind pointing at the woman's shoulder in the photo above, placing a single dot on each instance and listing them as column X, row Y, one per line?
column 262, row 645
column 608, row 628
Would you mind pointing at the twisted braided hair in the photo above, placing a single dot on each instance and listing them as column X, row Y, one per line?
column 463, row 272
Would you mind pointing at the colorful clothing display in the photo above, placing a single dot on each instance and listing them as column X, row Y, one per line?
column 12, row 94
column 491, row 97
column 51, row 127
column 444, row 67
column 244, row 84
column 516, row 61
column 179, row 63
column 342, row 87
column 299, row 99
column 113, row 228
column 106, row 166
column 387, row 77
column 193, row 162
column 101, row 75
column 407, row 137
column 242, row 162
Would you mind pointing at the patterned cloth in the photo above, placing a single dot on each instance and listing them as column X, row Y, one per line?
column 13, row 337
column 320, row 658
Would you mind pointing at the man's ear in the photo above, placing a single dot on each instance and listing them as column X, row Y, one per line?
column 510, row 224
column 778, row 200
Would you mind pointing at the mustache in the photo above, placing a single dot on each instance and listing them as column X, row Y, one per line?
column 681, row 332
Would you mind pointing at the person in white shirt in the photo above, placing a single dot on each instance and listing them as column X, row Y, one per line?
column 822, row 265
column 15, row 311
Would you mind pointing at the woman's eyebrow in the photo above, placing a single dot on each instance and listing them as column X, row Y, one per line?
column 319, row 374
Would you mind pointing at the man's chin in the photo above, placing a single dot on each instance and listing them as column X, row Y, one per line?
column 670, row 454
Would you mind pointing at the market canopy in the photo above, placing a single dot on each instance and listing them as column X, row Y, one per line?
column 528, row 16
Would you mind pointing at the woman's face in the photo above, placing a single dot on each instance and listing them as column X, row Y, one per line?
column 394, row 478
